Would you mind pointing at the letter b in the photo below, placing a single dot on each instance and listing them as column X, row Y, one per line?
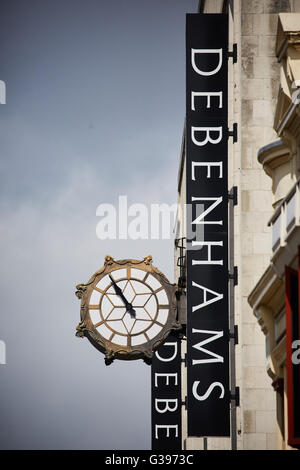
column 166, row 405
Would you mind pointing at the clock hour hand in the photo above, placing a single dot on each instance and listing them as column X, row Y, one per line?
column 119, row 292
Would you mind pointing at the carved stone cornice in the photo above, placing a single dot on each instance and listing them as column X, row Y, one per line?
column 288, row 34
column 275, row 159
column 266, row 302
column 273, row 155
column 287, row 115
column 266, row 290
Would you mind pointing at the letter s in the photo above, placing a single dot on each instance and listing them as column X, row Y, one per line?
column 208, row 391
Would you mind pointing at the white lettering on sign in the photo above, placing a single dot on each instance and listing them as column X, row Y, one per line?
column 216, row 296
column 208, row 391
column 168, row 428
column 173, row 375
column 199, row 219
column 168, row 359
column 207, row 138
column 208, row 165
column 214, row 357
column 194, row 52
column 208, row 94
column 209, row 245
column 165, row 402
column 166, row 396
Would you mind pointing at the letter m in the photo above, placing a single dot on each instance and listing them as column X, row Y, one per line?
column 213, row 356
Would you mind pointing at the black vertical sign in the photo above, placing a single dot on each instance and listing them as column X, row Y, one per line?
column 208, row 396
column 166, row 396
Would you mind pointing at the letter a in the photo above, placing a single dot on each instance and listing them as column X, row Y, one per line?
column 206, row 302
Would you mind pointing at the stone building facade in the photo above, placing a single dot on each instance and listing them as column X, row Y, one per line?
column 263, row 174
column 280, row 161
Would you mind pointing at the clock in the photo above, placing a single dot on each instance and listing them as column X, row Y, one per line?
column 128, row 309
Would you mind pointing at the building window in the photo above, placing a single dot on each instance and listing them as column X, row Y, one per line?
column 279, row 326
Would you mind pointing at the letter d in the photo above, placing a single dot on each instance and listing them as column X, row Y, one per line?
column 207, row 51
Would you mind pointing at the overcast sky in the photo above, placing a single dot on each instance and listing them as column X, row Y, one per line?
column 95, row 109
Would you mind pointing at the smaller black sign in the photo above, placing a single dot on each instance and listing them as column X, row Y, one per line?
column 166, row 396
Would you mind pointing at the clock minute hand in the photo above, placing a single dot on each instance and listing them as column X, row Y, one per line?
column 119, row 292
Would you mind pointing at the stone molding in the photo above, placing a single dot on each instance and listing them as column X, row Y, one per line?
column 275, row 159
column 287, row 115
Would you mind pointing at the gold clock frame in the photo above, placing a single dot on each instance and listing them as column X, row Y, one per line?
column 112, row 350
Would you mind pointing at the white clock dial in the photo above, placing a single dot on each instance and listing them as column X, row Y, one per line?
column 149, row 301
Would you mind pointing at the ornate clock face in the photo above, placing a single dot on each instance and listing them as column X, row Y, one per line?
column 128, row 309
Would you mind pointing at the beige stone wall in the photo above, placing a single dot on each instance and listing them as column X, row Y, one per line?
column 256, row 84
column 257, row 79
column 257, row 92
